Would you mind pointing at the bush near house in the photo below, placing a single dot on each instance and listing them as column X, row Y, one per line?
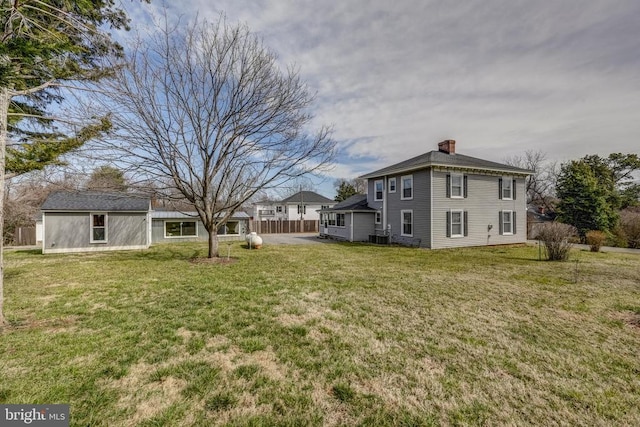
column 558, row 240
column 595, row 239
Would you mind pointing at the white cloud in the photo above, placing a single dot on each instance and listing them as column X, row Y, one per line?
column 500, row 77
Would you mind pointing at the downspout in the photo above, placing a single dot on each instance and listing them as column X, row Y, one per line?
column 431, row 208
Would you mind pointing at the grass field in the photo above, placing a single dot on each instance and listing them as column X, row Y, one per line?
column 334, row 334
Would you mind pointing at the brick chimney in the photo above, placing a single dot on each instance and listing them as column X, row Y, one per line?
column 447, row 146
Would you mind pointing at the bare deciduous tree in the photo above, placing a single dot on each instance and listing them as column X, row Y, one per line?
column 540, row 186
column 206, row 108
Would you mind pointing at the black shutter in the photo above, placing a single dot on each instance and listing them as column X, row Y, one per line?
column 513, row 218
column 500, row 228
column 448, row 223
column 500, row 190
column 513, row 189
column 466, row 222
column 465, row 186
column 448, row 186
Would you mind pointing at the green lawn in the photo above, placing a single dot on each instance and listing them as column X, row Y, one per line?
column 334, row 334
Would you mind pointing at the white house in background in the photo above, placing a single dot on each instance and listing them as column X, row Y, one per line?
column 302, row 205
column 265, row 210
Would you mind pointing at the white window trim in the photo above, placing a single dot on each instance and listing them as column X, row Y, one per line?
column 402, row 197
column 375, row 192
column 394, row 185
column 461, row 196
column 507, row 180
column 402, row 212
column 164, row 227
column 457, row 236
column 509, row 233
column 106, row 227
column 378, row 217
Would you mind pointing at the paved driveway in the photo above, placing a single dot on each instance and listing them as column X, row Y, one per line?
column 292, row 239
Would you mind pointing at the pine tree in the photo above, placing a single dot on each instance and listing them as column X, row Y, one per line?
column 44, row 45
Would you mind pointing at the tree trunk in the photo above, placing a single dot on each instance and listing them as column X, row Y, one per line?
column 4, row 110
column 213, row 243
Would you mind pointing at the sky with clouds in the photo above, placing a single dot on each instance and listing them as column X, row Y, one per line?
column 499, row 77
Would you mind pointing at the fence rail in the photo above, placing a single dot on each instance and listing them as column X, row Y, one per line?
column 281, row 226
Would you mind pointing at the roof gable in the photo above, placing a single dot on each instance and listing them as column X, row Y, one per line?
column 439, row 158
column 95, row 201
column 308, row 197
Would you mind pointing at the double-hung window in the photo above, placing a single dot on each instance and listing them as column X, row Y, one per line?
column 379, row 190
column 457, row 223
column 378, row 219
column 507, row 188
column 507, row 223
column 407, row 187
column 340, row 220
column 98, row 228
column 457, row 186
column 407, row 223
column 392, row 185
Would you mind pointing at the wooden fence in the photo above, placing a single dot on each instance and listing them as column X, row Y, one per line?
column 281, row 226
column 24, row 236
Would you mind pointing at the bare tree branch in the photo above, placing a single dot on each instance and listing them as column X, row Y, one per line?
column 208, row 110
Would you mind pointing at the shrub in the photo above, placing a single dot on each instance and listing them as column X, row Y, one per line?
column 630, row 223
column 557, row 239
column 595, row 239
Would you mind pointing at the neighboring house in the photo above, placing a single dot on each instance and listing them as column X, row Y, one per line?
column 302, row 205
column 95, row 221
column 265, row 210
column 442, row 199
column 172, row 226
column 98, row 221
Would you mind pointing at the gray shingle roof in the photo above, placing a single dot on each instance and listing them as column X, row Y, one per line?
column 308, row 197
column 357, row 202
column 95, row 201
column 438, row 158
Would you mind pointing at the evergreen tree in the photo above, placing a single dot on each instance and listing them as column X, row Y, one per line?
column 46, row 44
column 345, row 190
column 107, row 178
column 585, row 201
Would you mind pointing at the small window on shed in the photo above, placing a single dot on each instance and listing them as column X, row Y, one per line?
column 98, row 228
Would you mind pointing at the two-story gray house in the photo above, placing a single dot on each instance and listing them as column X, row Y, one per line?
column 440, row 199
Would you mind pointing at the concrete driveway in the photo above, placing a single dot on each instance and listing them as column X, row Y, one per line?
column 292, row 239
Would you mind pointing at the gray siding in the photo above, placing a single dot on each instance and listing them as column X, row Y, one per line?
column 419, row 204
column 157, row 232
column 371, row 194
column 70, row 232
column 363, row 225
column 483, row 206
